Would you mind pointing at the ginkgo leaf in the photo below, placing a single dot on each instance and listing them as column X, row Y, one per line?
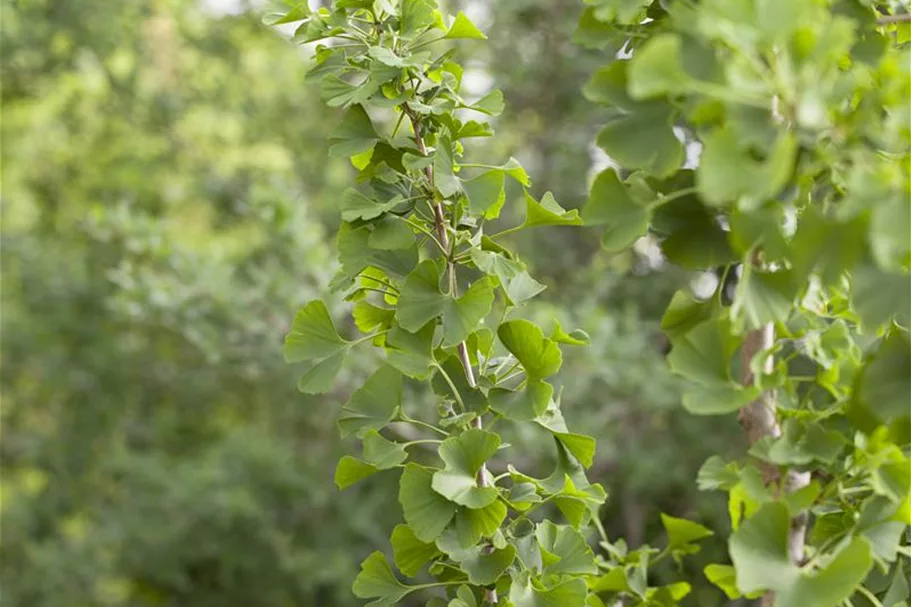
column 409, row 552
column 539, row 356
column 463, row 456
column 312, row 334
column 548, row 213
column 374, row 404
column 351, row 470
column 462, row 27
column 426, row 512
column 376, row 580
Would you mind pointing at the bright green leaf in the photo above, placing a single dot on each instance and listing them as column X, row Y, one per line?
column 464, row 455
column 351, row 470
column 462, row 27
column 681, row 532
column 539, row 356
column 548, row 213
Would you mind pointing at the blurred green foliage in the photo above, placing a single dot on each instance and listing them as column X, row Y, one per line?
column 166, row 195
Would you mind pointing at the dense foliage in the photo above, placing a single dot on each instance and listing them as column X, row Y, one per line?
column 799, row 194
column 166, row 199
column 798, row 111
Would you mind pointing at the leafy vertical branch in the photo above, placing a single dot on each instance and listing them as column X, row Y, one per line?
column 513, row 538
column 821, row 326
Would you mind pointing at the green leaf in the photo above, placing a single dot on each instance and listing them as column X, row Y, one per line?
column 725, row 578
column 800, row 444
column 515, row 170
column 890, row 232
column 460, row 316
column 376, row 580
column 286, row 11
column 391, row 234
column 484, row 568
column 826, row 246
column 354, row 135
column 718, row 398
column 641, row 138
column 411, row 353
column 539, row 356
column 715, row 473
column 474, row 523
column 610, row 204
column 355, row 205
column 368, row 317
column 884, row 383
column 760, row 554
column 374, row 404
column 763, row 297
column 383, row 453
column 524, row 404
column 684, row 313
column 319, row 378
column 356, row 254
column 491, row 104
column 351, row 470
column 464, row 455
column 581, row 446
column 548, row 213
column 592, row 33
column 681, row 532
column 834, row 583
column 704, row 354
column 486, row 194
column 879, row 296
column 462, row 27
column 513, row 278
column 570, row 593
column 416, row 17
column 656, row 69
column 576, row 337
column 574, row 555
column 420, row 300
column 312, row 334
column 759, row 550
column 694, row 239
column 426, row 512
column 443, row 176
column 409, row 552
column 628, row 12
column 728, row 173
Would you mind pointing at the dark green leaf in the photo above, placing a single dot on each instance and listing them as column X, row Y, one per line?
column 426, row 512
column 409, row 552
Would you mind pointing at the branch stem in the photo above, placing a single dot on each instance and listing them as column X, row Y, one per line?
column 441, row 225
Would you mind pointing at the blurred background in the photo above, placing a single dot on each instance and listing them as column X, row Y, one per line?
column 167, row 204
